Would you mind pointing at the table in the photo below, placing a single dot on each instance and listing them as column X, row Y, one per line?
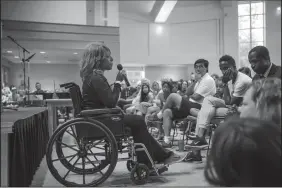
column 52, row 105
column 24, row 137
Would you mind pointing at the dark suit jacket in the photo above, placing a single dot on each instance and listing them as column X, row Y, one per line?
column 275, row 72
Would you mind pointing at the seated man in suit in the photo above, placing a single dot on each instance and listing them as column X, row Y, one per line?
column 260, row 63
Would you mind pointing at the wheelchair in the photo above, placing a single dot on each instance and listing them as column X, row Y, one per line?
column 98, row 136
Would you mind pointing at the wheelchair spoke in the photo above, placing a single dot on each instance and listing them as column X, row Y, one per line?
column 93, row 155
column 98, row 147
column 75, row 136
column 94, row 165
column 64, row 158
column 83, row 169
column 71, row 134
column 69, row 169
column 67, row 145
column 97, row 143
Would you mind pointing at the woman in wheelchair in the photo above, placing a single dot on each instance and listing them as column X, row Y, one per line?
column 97, row 94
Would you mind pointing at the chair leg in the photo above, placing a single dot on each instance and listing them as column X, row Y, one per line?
column 209, row 141
column 188, row 130
column 186, row 126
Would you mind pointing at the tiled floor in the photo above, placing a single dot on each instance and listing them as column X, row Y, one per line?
column 180, row 174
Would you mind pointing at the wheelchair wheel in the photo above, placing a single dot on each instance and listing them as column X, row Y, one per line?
column 130, row 165
column 139, row 174
column 80, row 160
column 69, row 166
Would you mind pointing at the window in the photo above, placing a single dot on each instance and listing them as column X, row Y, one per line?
column 251, row 25
column 5, row 75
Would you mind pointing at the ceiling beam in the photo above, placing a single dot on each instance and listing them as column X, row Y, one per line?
column 156, row 9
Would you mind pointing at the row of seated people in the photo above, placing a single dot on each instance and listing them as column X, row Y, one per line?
column 230, row 163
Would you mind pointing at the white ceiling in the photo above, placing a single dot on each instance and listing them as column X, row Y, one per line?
column 61, row 51
column 142, row 8
column 60, row 42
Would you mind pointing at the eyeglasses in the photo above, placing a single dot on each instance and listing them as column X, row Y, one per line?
column 198, row 66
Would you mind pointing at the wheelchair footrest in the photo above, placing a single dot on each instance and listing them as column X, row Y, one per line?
column 162, row 169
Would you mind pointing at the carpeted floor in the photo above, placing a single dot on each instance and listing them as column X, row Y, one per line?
column 179, row 174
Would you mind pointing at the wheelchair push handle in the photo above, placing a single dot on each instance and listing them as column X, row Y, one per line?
column 67, row 85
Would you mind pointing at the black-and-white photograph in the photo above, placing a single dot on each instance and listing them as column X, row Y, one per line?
column 154, row 93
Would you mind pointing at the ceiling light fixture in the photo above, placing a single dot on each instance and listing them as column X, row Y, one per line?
column 278, row 10
column 47, row 61
column 42, row 52
column 9, row 52
column 165, row 11
column 75, row 53
column 16, row 57
column 159, row 30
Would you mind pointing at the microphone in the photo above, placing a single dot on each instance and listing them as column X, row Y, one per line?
column 120, row 67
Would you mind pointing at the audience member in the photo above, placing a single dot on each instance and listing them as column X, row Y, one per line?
column 159, row 103
column 178, row 107
column 215, row 76
column 246, row 71
column 245, row 153
column 6, row 94
column 97, row 94
column 145, row 100
column 236, row 85
column 219, row 88
column 155, row 88
column 138, row 88
column 260, row 63
column 38, row 89
column 183, row 88
column 161, row 98
column 174, row 86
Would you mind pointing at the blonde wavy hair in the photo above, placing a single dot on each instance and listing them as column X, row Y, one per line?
column 267, row 97
column 91, row 59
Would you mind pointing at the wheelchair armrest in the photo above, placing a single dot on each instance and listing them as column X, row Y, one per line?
column 94, row 112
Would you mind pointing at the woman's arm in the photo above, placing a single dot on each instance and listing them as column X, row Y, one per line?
column 107, row 96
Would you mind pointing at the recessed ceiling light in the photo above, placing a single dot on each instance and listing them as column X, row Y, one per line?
column 42, row 52
column 75, row 53
column 278, row 10
column 47, row 61
column 16, row 57
column 9, row 52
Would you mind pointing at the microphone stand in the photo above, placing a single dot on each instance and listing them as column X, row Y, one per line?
column 24, row 63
